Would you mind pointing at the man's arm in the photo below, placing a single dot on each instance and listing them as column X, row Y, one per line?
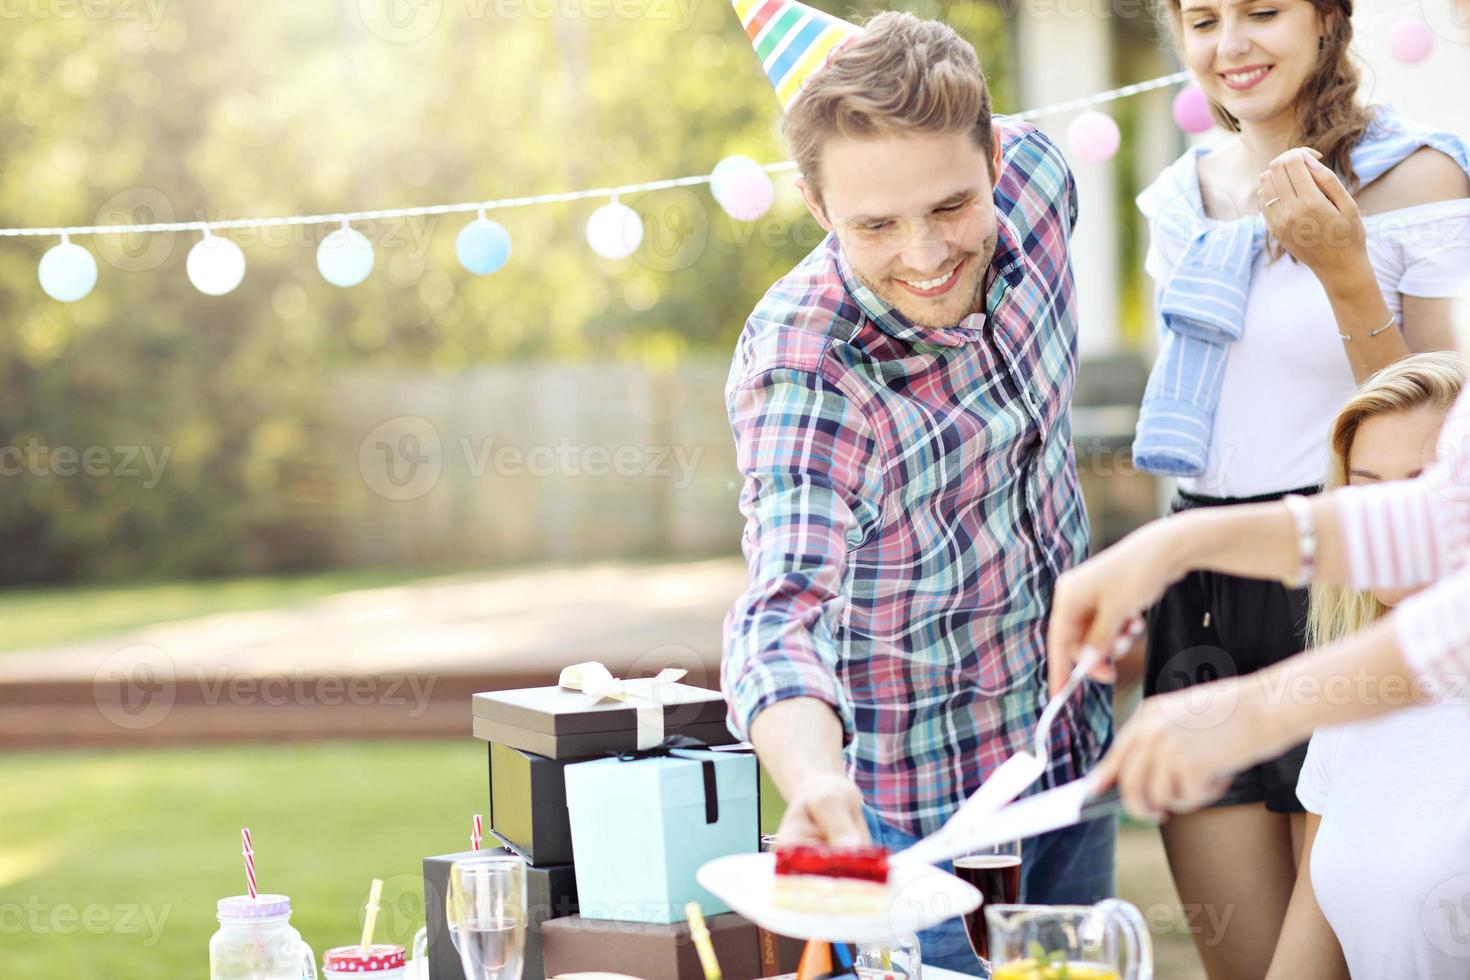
column 812, row 492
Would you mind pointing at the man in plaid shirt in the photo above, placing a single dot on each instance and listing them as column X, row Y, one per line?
column 900, row 405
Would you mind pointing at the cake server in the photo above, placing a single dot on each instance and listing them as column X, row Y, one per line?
column 1018, row 772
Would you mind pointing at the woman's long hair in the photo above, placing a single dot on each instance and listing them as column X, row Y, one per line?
column 1420, row 381
column 1329, row 116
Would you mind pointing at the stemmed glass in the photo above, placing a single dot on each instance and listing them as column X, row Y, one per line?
column 485, row 909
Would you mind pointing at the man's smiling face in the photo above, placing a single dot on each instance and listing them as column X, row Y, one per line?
column 915, row 214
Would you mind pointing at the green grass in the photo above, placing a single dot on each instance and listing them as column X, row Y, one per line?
column 66, row 614
column 111, row 862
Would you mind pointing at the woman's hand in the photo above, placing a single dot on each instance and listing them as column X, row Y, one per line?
column 1314, row 218
column 1179, row 751
column 1096, row 602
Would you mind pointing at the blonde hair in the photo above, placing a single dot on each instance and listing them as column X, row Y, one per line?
column 1420, row 381
column 900, row 75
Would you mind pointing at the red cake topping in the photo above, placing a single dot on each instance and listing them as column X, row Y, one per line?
column 862, row 863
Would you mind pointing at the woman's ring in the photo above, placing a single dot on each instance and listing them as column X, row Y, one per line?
column 1273, row 200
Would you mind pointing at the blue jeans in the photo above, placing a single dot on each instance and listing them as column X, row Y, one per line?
column 1071, row 866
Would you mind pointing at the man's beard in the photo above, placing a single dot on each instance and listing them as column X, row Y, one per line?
column 926, row 314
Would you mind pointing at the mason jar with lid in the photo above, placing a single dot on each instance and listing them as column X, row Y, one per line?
column 256, row 941
column 381, row 961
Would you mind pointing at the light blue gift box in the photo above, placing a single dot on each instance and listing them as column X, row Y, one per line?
column 640, row 831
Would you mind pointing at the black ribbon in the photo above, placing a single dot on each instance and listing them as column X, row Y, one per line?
column 670, row 748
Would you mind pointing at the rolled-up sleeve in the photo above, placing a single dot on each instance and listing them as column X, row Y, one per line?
column 1433, row 630
column 812, row 493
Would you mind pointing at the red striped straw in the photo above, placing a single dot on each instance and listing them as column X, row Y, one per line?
column 249, row 853
column 475, row 834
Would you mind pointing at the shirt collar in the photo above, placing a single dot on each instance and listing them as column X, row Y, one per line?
column 1006, row 270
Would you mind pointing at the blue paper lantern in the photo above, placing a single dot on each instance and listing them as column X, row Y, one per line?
column 345, row 257
column 483, row 246
column 67, row 271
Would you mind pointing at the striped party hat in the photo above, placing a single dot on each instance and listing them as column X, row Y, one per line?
column 792, row 40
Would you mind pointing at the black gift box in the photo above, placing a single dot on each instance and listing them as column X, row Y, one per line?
column 563, row 724
column 528, row 804
column 551, row 893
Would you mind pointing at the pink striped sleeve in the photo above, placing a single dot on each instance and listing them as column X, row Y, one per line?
column 1433, row 630
column 1408, row 534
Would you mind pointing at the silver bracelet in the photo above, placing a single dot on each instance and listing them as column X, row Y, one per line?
column 1306, row 538
column 1392, row 321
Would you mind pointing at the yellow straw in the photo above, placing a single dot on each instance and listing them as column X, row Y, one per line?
column 372, row 914
column 700, row 932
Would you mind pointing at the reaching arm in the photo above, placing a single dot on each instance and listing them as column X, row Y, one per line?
column 1389, row 535
column 812, row 493
column 1308, row 948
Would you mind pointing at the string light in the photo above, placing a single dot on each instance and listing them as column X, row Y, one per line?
column 742, row 187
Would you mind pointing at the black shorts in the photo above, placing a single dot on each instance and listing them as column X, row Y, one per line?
column 1208, row 626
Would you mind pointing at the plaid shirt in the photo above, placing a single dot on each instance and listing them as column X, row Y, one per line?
column 910, row 497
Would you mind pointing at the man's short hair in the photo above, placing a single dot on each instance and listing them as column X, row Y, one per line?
column 901, row 75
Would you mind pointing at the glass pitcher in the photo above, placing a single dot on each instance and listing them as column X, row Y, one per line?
column 1106, row 941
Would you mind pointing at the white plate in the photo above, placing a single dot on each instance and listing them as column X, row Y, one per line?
column 919, row 896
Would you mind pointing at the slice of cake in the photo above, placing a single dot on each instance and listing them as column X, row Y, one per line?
column 831, row 880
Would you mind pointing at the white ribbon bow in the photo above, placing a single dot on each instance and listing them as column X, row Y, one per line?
column 646, row 695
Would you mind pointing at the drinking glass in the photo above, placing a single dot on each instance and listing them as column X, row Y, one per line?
column 996, row 872
column 486, row 912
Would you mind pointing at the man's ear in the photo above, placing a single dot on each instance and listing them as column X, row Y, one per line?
column 995, row 156
column 813, row 203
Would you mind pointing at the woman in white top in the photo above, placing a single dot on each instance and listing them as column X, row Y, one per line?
column 1317, row 243
column 1388, row 800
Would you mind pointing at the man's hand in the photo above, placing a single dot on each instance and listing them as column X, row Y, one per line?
column 827, row 809
column 799, row 742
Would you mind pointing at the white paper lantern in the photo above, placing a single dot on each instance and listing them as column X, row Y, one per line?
column 215, row 265
column 345, row 257
column 67, row 271
column 614, row 231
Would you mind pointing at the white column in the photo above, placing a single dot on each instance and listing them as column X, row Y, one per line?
column 1065, row 52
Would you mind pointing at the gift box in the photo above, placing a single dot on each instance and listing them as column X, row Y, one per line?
column 560, row 723
column 665, row 951
column 643, row 825
column 551, row 893
column 528, row 804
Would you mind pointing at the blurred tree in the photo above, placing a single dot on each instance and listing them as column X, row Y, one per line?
column 131, row 112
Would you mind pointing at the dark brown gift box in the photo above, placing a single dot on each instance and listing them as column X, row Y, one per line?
column 562, row 724
column 551, row 893
column 655, row 951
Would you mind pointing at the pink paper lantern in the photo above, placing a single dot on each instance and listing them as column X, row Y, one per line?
column 1410, row 41
column 742, row 187
column 1094, row 137
column 1192, row 110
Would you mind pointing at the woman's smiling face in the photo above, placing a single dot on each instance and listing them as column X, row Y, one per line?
column 1251, row 56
